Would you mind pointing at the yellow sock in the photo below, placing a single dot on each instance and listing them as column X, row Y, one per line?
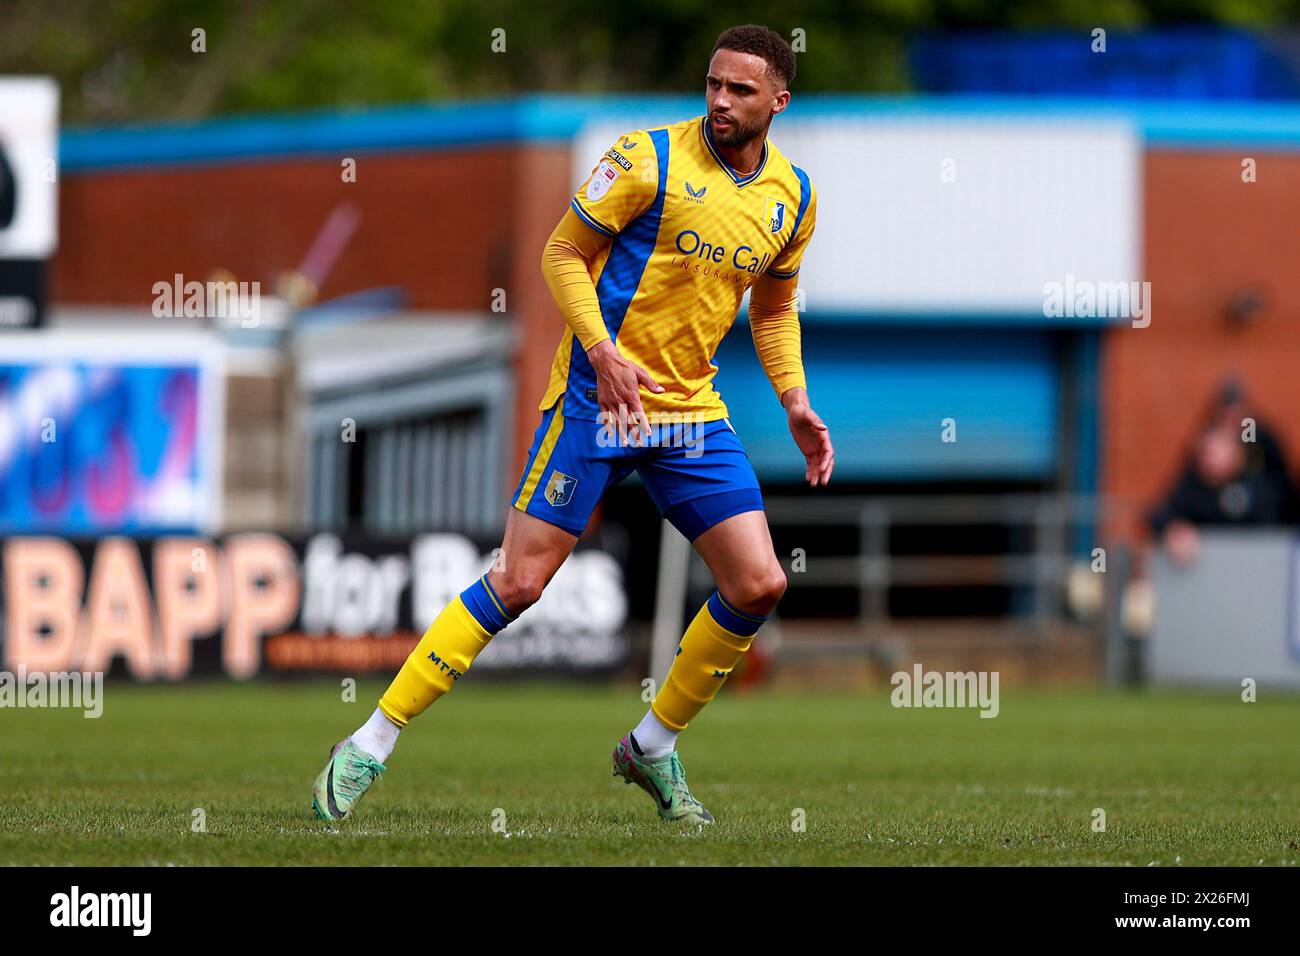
column 444, row 654
column 706, row 656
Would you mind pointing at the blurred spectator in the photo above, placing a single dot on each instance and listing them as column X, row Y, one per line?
column 1228, row 478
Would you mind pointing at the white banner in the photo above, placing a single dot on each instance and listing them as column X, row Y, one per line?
column 931, row 211
column 29, row 142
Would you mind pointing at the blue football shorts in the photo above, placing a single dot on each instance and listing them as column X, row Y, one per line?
column 697, row 473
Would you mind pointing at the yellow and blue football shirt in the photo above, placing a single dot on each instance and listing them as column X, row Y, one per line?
column 689, row 236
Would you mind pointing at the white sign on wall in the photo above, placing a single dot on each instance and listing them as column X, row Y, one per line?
column 929, row 210
column 29, row 140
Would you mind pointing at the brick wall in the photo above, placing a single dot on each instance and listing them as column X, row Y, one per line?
column 1207, row 236
column 449, row 226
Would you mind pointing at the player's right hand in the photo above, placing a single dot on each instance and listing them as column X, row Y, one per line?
column 618, row 392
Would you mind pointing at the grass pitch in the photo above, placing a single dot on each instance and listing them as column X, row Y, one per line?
column 1183, row 778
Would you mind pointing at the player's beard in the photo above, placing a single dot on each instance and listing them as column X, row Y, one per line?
column 739, row 134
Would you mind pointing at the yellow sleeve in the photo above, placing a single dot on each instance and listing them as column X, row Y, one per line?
column 621, row 187
column 790, row 258
column 565, row 259
column 774, row 323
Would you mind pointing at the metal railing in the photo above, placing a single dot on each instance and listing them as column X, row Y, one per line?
column 1043, row 567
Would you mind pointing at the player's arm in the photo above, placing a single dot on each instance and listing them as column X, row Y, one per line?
column 774, row 324
column 566, row 260
column 620, row 188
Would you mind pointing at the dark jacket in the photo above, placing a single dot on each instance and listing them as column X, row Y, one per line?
column 1261, row 495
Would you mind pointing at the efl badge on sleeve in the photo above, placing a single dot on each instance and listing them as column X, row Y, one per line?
column 775, row 215
column 560, row 489
column 604, row 176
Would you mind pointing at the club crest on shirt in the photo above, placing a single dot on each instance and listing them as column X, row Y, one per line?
column 604, row 176
column 775, row 215
column 559, row 490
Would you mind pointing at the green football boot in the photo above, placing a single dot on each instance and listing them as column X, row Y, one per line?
column 344, row 781
column 663, row 778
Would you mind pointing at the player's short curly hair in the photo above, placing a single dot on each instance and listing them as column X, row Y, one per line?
column 760, row 41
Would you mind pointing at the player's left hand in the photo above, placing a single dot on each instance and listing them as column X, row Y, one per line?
column 811, row 435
